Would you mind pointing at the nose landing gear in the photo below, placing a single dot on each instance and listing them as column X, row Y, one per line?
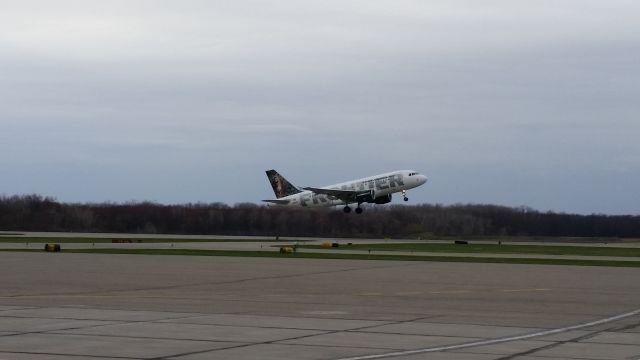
column 404, row 195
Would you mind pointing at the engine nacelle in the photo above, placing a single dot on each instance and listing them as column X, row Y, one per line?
column 370, row 197
column 383, row 199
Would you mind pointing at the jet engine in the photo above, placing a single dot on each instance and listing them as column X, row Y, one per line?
column 383, row 199
column 370, row 197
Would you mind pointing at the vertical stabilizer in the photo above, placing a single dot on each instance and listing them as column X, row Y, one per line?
column 281, row 187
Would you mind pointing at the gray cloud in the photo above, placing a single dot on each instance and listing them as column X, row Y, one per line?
column 512, row 102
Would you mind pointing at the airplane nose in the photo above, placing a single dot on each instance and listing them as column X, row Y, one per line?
column 423, row 179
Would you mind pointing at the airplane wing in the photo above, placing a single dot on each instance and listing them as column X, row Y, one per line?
column 347, row 195
column 279, row 202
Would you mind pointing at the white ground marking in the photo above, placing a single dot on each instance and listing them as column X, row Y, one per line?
column 496, row 341
column 524, row 290
column 325, row 312
column 450, row 292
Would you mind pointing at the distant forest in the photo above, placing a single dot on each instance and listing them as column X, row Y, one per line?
column 37, row 213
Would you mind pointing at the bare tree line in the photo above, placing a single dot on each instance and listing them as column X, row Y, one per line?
column 37, row 213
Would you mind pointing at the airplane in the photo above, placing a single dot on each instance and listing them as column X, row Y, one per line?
column 375, row 189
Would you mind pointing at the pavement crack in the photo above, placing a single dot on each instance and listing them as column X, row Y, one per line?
column 182, row 285
column 289, row 339
column 83, row 356
column 558, row 343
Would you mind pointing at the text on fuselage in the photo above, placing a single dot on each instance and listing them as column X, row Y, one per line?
column 380, row 183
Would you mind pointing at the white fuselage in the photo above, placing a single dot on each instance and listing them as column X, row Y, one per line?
column 381, row 185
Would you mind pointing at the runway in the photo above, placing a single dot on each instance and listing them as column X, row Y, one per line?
column 61, row 306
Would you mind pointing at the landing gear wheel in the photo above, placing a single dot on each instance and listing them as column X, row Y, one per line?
column 406, row 198
column 347, row 209
column 404, row 195
column 358, row 210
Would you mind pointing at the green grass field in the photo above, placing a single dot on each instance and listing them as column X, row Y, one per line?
column 540, row 239
column 407, row 248
column 330, row 255
column 491, row 249
column 85, row 240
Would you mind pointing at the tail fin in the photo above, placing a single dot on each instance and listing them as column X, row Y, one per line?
column 281, row 187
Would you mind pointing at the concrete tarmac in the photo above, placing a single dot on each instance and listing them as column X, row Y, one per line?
column 91, row 306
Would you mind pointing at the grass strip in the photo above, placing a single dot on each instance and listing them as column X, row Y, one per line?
column 524, row 238
column 85, row 240
column 492, row 249
column 342, row 256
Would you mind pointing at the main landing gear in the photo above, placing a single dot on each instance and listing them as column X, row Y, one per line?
column 347, row 209
column 404, row 195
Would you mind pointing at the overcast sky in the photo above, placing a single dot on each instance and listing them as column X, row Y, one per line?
column 510, row 102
